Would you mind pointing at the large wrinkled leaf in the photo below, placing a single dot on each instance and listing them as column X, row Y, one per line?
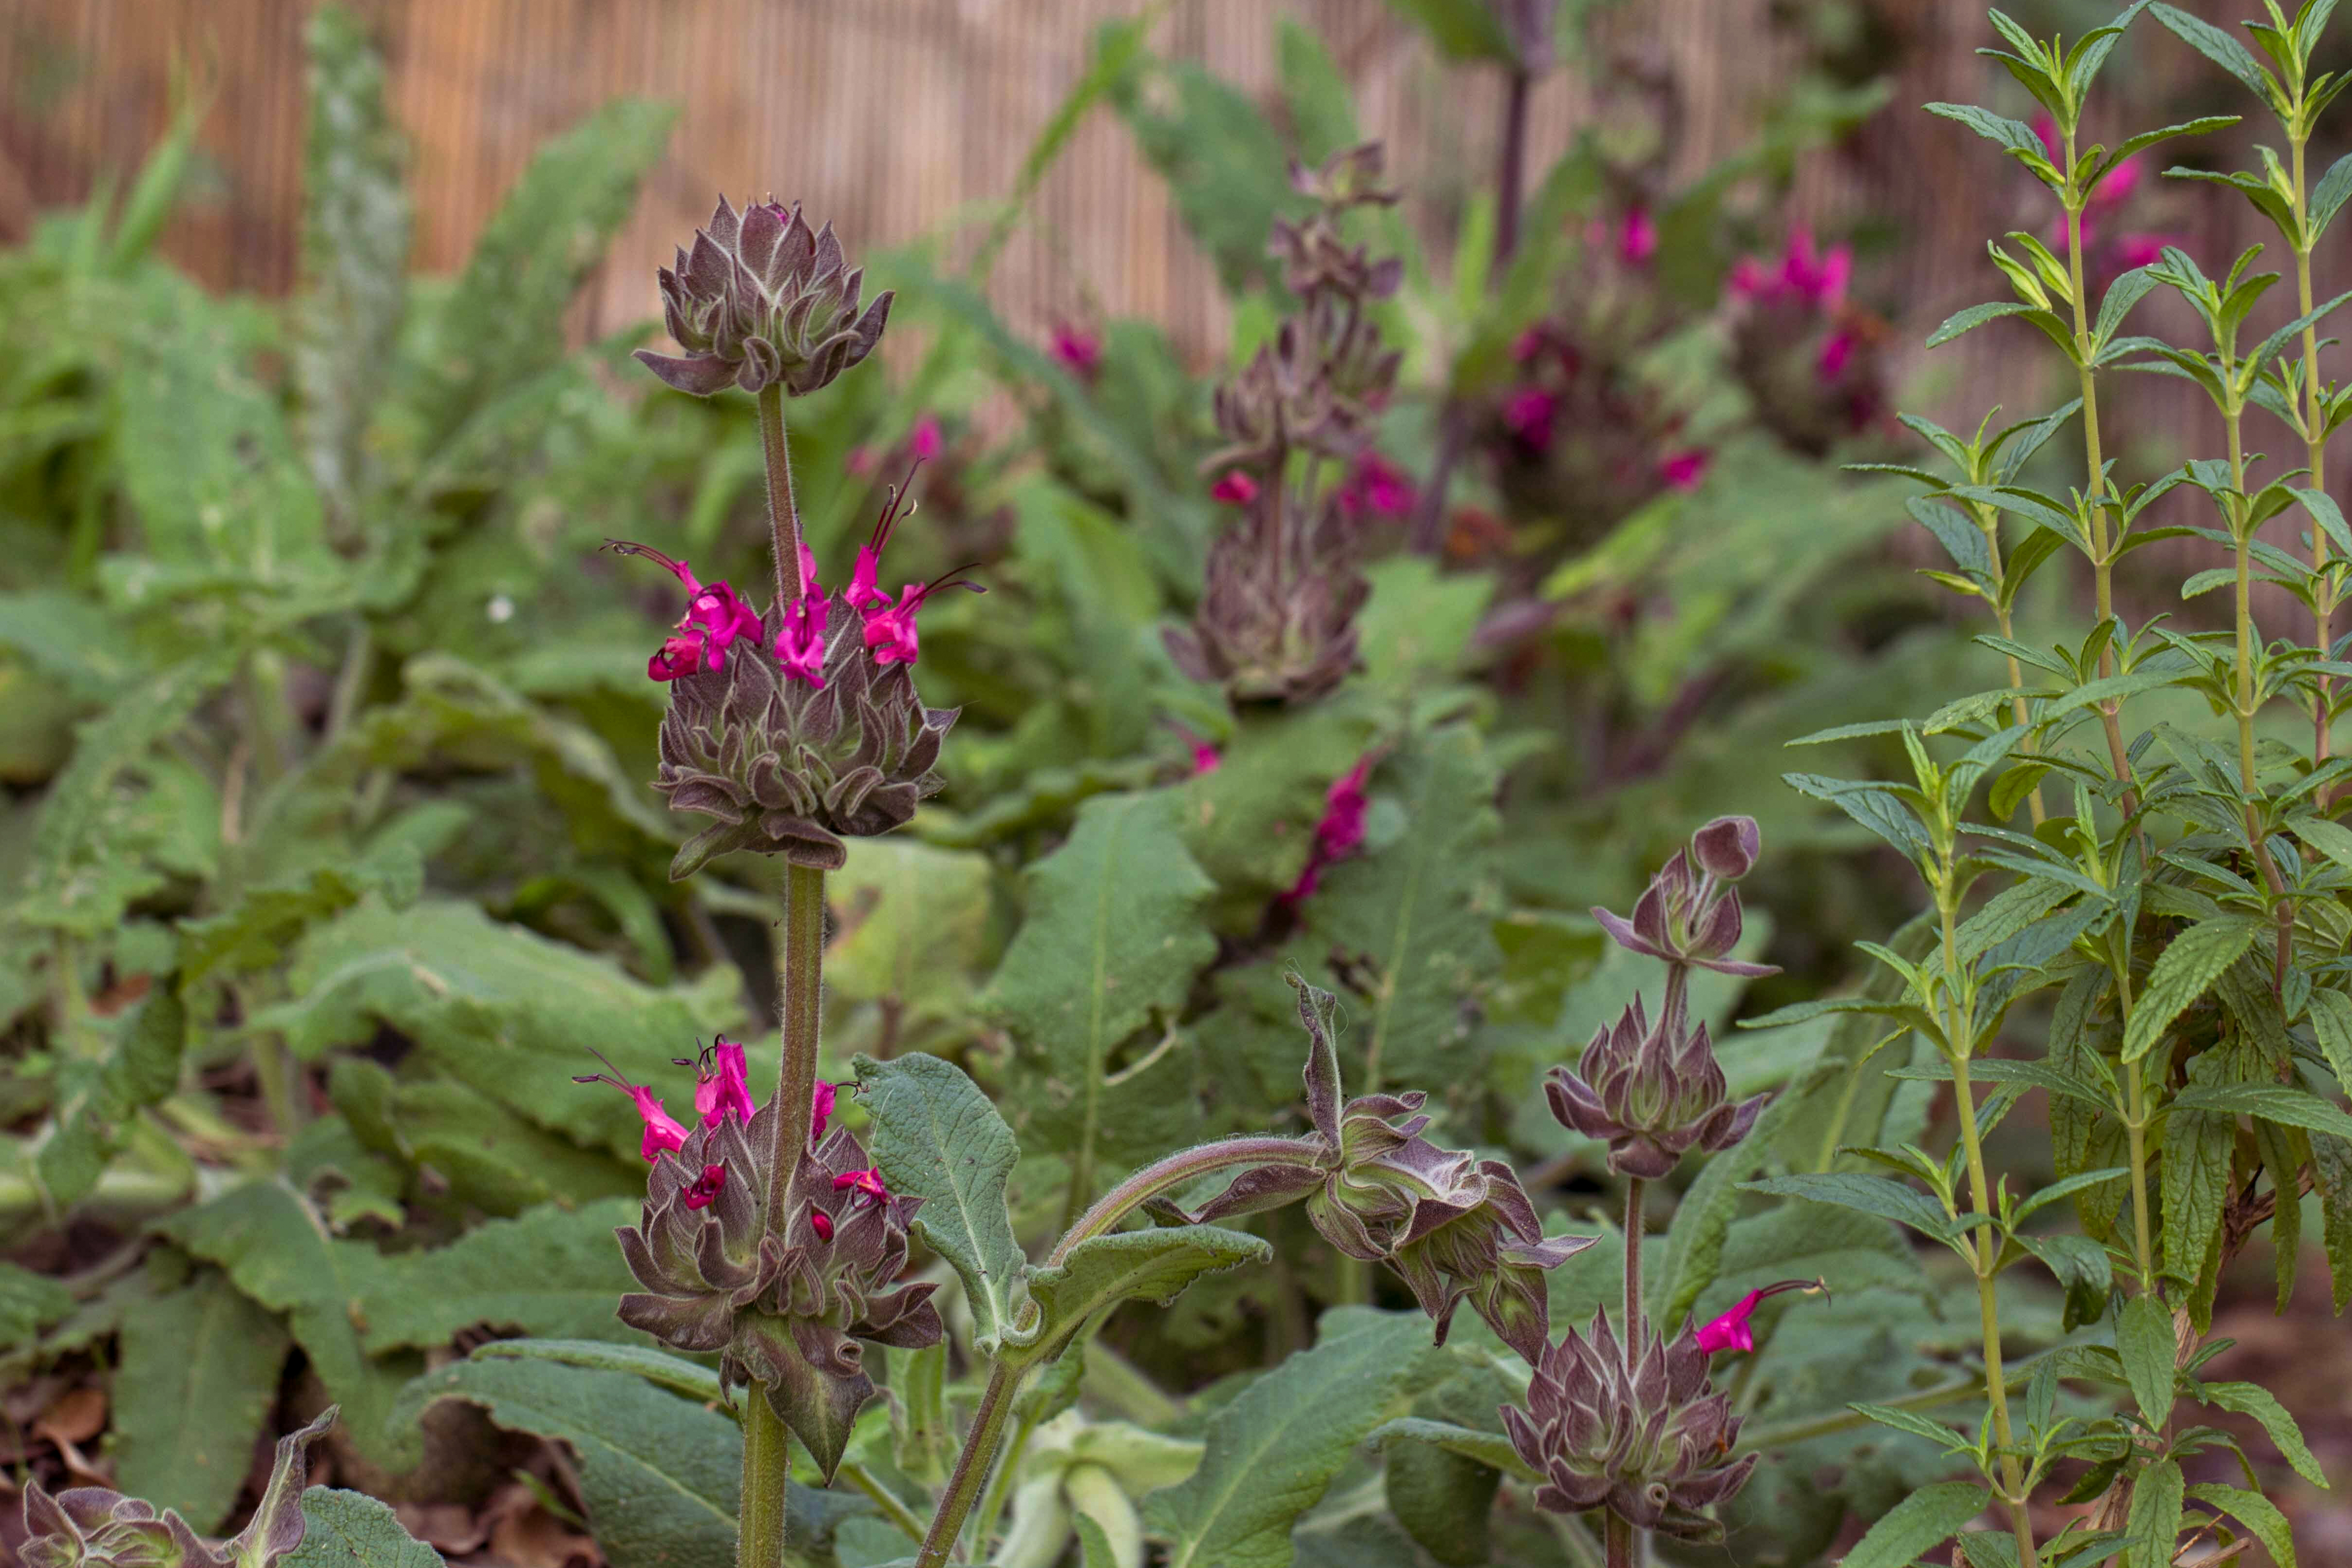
column 549, row 1273
column 1133, row 1265
column 352, row 1529
column 355, row 222
column 1413, row 918
column 662, row 1478
column 503, row 320
column 507, row 1012
column 1919, row 1523
column 97, row 1095
column 1276, row 1447
column 913, row 925
column 483, row 1155
column 198, row 1375
column 277, row 1250
column 937, row 1137
column 1111, row 941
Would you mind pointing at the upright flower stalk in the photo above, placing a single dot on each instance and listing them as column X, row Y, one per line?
column 766, row 1236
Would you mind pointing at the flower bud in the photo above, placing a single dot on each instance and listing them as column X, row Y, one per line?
column 1690, row 916
column 762, row 301
column 1276, row 621
column 1726, row 849
column 1651, row 1442
column 1652, row 1092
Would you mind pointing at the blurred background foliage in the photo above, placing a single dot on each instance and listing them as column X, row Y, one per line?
column 327, row 851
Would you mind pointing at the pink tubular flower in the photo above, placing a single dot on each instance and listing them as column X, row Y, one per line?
column 889, row 629
column 1732, row 1331
column 800, row 641
column 1235, row 489
column 819, row 1112
column 925, row 441
column 1682, row 470
column 1078, row 350
column 1837, row 353
column 1637, row 237
column 863, row 592
column 867, row 1181
column 715, row 616
column 822, row 1223
column 1378, row 486
column 725, row 1090
column 705, row 1188
column 1527, row 413
column 1339, row 833
column 663, row 1133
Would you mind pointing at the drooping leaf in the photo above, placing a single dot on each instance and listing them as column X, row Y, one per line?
column 2253, row 1399
column 1111, row 940
column 937, row 1137
column 1276, row 1446
column 2189, row 965
column 197, row 1374
column 1131, row 1265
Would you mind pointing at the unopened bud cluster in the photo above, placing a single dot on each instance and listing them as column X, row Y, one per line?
column 1277, row 618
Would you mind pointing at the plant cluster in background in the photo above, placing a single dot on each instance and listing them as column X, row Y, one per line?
column 405, row 715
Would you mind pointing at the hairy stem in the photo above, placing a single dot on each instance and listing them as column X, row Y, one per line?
column 2242, row 530
column 783, row 512
column 1988, row 524
column 1987, row 1249
column 1510, row 170
column 1000, row 1484
column 894, row 1508
column 2103, row 561
column 1621, row 1542
column 2315, row 457
column 2135, row 1119
column 800, row 974
column 971, row 1473
column 1174, row 1171
column 1634, row 1186
column 766, row 1467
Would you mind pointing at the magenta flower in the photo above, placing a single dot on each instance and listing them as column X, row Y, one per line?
column 1235, row 488
column 819, row 1112
column 1637, row 237
column 663, row 1133
column 1682, row 470
column 925, row 441
column 2142, row 250
column 1528, row 345
column 1339, row 833
column 822, row 1223
column 1804, row 275
column 715, row 616
column 867, row 1181
column 1732, row 1331
column 1527, row 413
column 725, row 1090
column 705, row 1188
column 1205, row 759
column 1378, row 486
column 800, row 641
column 1837, row 353
column 889, row 629
column 864, row 593
column 1078, row 350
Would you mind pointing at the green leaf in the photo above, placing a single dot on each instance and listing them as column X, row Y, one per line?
column 2253, row 1399
column 2218, row 47
column 352, row 1530
column 2259, row 1515
column 1867, row 1195
column 29, row 1302
column 1222, row 162
column 1444, row 1500
column 501, row 1009
column 2273, row 1101
column 913, row 926
column 1273, row 1449
column 255, row 932
column 2197, row 1145
column 1919, row 1524
column 502, row 321
column 2154, row 1523
column 97, row 1098
column 2144, row 1340
column 355, row 231
column 1461, row 29
column 1112, row 940
column 1489, row 1449
column 549, row 1273
column 1416, row 914
column 662, row 1478
column 2188, row 965
column 1315, row 92
column 1146, row 1265
column 2331, row 1025
column 2331, row 1169
column 937, row 1137
column 277, row 1250
column 2014, row 136
column 196, row 1377
column 688, row 1379
column 1974, row 317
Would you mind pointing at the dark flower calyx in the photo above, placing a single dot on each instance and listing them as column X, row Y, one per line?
column 1652, row 1092
column 761, row 301
column 1651, row 1442
column 1690, row 914
column 96, row 1526
column 1455, row 1227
